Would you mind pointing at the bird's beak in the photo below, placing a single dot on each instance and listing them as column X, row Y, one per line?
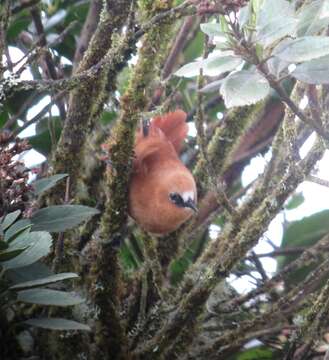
column 191, row 204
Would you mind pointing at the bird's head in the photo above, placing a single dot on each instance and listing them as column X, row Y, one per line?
column 184, row 199
column 180, row 191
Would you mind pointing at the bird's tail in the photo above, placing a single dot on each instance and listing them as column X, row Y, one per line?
column 173, row 125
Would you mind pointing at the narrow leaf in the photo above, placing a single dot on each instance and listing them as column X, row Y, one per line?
column 44, row 281
column 38, row 243
column 31, row 272
column 57, row 324
column 42, row 185
column 49, row 297
column 303, row 49
column 313, row 72
column 57, row 18
column 189, row 70
column 295, row 201
column 271, row 25
column 61, row 217
column 10, row 254
column 244, row 88
column 211, row 29
column 17, row 228
column 3, row 245
column 213, row 86
column 9, row 219
column 313, row 17
column 218, row 63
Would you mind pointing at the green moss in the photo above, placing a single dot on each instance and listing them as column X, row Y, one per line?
column 107, row 286
column 225, row 140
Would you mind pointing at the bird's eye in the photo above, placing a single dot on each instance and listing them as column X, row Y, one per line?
column 176, row 199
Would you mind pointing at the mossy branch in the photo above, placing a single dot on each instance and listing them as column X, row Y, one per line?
column 233, row 246
column 107, row 286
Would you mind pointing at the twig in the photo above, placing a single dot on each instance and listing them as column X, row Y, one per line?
column 49, row 67
column 23, row 6
column 88, row 30
column 309, row 256
column 315, row 320
column 259, row 266
column 153, row 264
column 281, row 307
column 113, row 58
column 4, row 21
column 39, row 116
column 233, row 245
column 201, row 140
column 26, row 105
column 177, row 47
column 317, row 180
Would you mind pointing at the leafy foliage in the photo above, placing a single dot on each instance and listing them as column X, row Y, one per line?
column 22, row 246
column 143, row 296
column 308, row 50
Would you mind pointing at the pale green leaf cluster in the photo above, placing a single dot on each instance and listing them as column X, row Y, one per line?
column 281, row 35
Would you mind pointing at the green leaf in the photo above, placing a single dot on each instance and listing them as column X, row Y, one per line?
column 44, row 281
column 42, row 142
column 213, row 86
column 303, row 49
column 212, row 29
column 44, row 184
column 10, row 254
column 257, row 353
column 38, row 244
column 313, row 72
column 56, row 19
column 296, row 201
column 244, row 88
column 313, row 17
column 9, row 219
column 217, row 64
column 304, row 232
column 57, row 324
column 276, row 66
column 17, row 228
column 244, row 15
column 31, row 272
column 49, row 297
column 61, row 217
column 17, row 27
column 189, row 70
column 271, row 25
column 3, row 245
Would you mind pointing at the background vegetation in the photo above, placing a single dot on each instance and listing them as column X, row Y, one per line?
column 253, row 78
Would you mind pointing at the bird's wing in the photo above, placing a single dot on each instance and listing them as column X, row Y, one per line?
column 173, row 125
column 149, row 147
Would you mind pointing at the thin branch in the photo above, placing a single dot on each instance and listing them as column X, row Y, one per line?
column 40, row 114
column 317, row 180
column 311, row 255
column 152, row 260
column 48, row 65
column 88, row 30
column 22, row 110
column 113, row 58
column 23, row 6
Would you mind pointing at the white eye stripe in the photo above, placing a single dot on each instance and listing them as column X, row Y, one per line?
column 188, row 195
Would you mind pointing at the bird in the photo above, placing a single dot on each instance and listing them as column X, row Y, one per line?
column 162, row 190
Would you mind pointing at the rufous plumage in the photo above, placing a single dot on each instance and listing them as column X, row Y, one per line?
column 162, row 191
